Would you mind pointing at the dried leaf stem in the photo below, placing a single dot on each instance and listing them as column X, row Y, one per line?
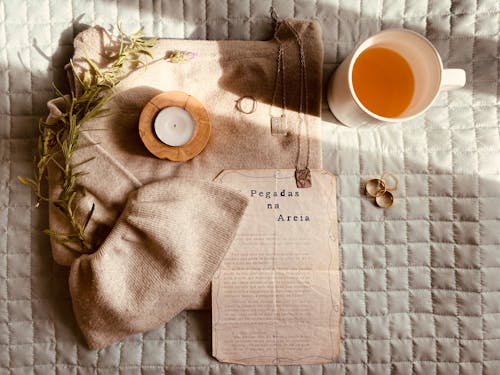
column 58, row 142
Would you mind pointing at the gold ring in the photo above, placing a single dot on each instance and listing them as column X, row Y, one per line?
column 375, row 187
column 240, row 108
column 385, row 200
column 396, row 182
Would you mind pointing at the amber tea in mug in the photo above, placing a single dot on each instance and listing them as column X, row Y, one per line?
column 383, row 81
column 392, row 76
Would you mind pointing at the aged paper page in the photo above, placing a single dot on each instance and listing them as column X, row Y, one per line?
column 276, row 296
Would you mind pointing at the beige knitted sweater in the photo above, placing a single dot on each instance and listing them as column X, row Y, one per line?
column 221, row 73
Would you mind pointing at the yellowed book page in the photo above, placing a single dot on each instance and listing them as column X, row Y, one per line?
column 276, row 296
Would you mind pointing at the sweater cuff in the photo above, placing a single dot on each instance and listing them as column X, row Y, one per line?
column 161, row 254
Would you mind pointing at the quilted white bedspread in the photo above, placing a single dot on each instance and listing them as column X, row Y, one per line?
column 421, row 281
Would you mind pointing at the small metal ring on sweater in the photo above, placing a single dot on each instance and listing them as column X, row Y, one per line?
column 240, row 108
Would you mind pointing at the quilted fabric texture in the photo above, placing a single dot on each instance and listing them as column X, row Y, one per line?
column 421, row 291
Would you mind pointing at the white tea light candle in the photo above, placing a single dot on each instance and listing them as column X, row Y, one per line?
column 174, row 126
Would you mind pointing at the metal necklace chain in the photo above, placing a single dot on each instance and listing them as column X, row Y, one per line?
column 280, row 70
column 302, row 174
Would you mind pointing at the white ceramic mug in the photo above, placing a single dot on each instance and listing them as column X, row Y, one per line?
column 425, row 63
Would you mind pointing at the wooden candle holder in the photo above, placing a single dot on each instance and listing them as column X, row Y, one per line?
column 174, row 99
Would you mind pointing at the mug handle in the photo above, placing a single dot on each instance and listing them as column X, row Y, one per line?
column 452, row 79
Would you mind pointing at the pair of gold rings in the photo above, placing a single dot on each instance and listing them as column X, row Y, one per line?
column 381, row 191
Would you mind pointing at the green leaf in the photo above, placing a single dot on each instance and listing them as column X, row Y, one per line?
column 83, row 162
column 145, row 52
column 57, row 91
column 26, row 181
column 87, row 220
column 59, row 165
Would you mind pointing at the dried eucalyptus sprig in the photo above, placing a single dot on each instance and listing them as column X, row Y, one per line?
column 180, row 56
column 58, row 141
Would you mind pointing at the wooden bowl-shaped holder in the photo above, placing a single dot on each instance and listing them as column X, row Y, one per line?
column 190, row 104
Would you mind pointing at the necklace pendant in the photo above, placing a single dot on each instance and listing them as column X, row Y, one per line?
column 303, row 178
column 278, row 125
